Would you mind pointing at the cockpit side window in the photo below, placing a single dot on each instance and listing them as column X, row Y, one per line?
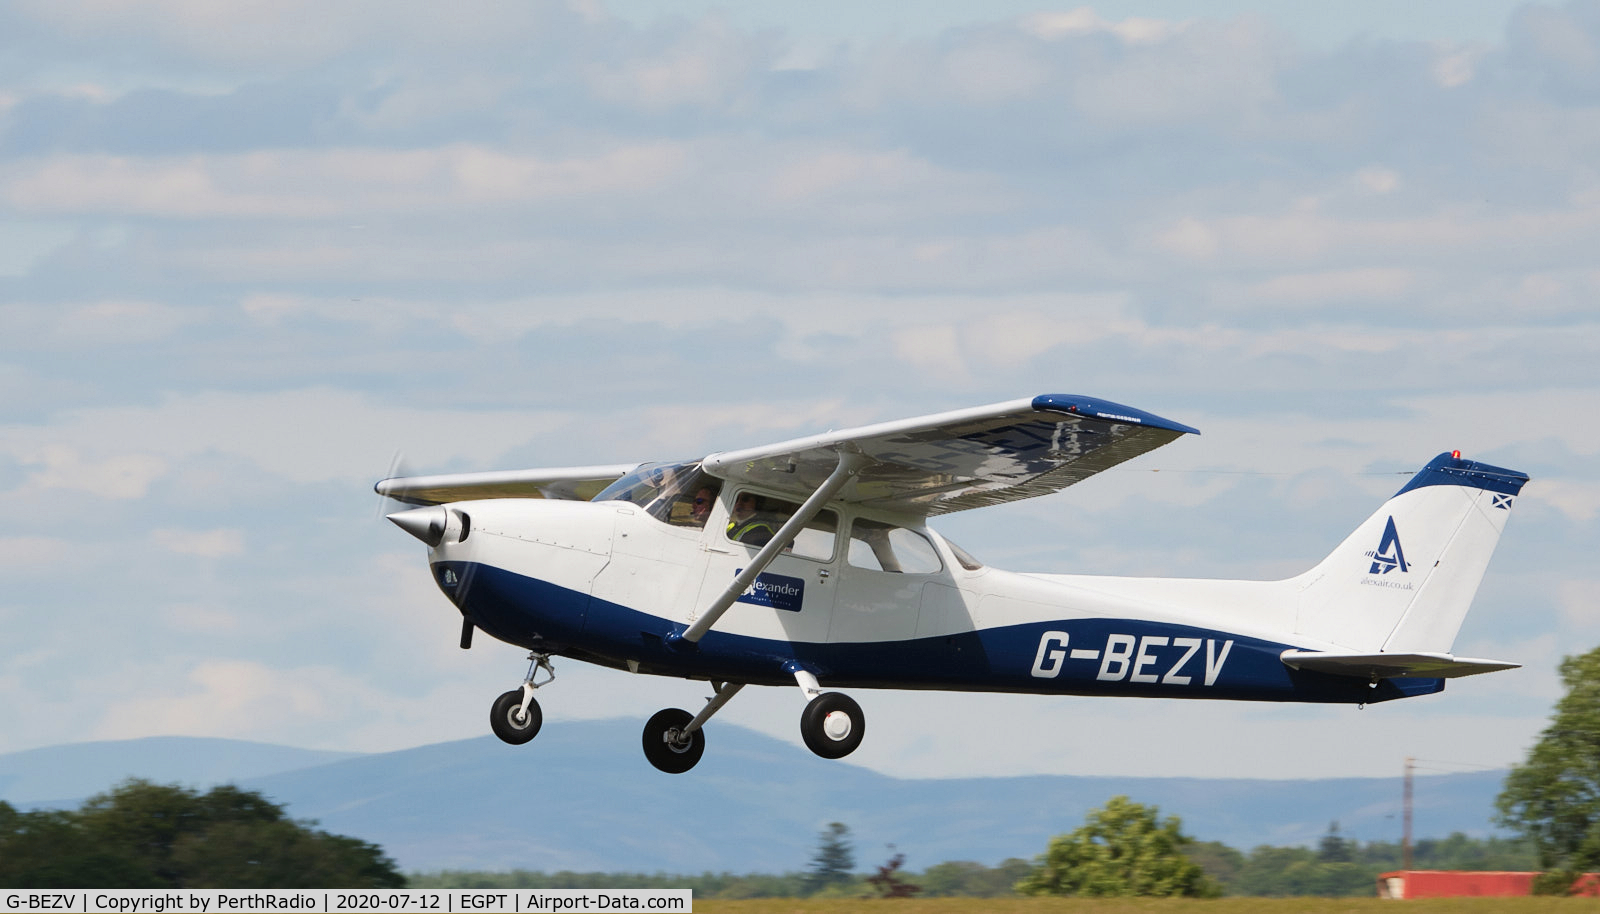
column 886, row 547
column 678, row 494
column 754, row 520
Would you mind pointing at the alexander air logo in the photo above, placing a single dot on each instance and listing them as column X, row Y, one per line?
column 1388, row 556
column 775, row 590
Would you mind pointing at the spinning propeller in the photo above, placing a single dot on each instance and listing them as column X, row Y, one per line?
column 430, row 524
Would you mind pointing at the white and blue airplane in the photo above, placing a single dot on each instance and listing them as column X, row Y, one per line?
column 810, row 563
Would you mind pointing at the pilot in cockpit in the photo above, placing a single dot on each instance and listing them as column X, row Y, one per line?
column 700, row 509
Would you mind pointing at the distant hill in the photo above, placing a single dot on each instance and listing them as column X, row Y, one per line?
column 79, row 770
column 581, row 797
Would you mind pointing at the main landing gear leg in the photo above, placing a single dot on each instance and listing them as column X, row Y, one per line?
column 515, row 716
column 674, row 741
column 832, row 724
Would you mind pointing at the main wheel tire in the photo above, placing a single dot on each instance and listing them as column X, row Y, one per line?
column 509, row 723
column 674, row 756
column 833, row 725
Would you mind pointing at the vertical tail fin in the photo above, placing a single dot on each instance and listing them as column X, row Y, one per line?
column 1403, row 581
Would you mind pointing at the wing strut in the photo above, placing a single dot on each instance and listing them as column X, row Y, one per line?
column 850, row 463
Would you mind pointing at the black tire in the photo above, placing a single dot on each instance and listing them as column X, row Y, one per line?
column 508, row 724
column 847, row 729
column 673, row 757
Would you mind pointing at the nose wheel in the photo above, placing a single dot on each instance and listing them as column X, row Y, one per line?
column 513, row 722
column 515, row 717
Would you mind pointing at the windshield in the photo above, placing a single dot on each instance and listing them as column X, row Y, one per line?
column 964, row 557
column 673, row 493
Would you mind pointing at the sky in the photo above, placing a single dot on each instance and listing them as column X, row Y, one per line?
column 250, row 252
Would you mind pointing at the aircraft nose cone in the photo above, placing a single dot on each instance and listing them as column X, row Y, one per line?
column 426, row 524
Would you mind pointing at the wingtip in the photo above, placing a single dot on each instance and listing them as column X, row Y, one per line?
column 1106, row 409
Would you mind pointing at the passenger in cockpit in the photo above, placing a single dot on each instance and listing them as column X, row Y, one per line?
column 746, row 525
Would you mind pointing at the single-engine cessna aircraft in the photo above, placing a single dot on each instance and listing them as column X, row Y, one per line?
column 810, row 563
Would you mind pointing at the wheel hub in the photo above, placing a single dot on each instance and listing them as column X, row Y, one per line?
column 836, row 725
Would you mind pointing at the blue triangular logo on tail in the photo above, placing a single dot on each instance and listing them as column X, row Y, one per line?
column 1388, row 556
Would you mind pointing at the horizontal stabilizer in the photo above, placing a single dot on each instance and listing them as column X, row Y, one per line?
column 1392, row 666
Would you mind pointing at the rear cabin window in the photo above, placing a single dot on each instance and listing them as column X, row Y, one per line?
column 886, row 547
column 754, row 519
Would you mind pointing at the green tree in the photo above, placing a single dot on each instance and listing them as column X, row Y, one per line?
column 1553, row 798
column 1121, row 850
column 1333, row 848
column 49, row 850
column 144, row 835
column 835, row 859
column 974, row 880
column 1219, row 861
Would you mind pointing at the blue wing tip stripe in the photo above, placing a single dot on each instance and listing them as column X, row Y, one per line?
column 1105, row 409
column 1447, row 469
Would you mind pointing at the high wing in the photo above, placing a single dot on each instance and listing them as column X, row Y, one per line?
column 1423, row 665
column 963, row 459
column 580, row 483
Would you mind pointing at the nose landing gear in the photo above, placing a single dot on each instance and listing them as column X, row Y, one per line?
column 515, row 716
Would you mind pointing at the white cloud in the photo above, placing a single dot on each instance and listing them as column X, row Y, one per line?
column 303, row 435
column 241, row 699
column 1209, row 72
column 37, row 553
column 111, row 322
column 200, row 617
column 1578, row 499
column 705, row 66
column 253, row 35
column 324, row 184
column 933, row 348
column 1378, row 180
column 1085, row 21
column 1454, row 67
column 115, row 476
column 1366, row 284
column 210, row 544
column 992, row 70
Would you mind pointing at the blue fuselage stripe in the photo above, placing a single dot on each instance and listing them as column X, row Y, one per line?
column 1130, row 657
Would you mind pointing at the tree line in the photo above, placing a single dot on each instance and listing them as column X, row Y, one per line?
column 1338, row 866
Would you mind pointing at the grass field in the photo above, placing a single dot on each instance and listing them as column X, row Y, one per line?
column 1148, row 906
